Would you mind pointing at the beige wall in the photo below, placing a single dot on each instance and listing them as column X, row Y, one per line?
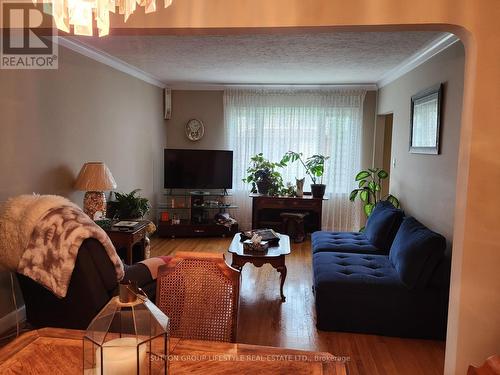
column 54, row 121
column 425, row 184
column 206, row 106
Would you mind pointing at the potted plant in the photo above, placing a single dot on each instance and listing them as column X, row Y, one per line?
column 369, row 189
column 288, row 190
column 263, row 176
column 129, row 206
column 315, row 169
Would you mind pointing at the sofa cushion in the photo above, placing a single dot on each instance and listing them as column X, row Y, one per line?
column 415, row 252
column 363, row 293
column 345, row 242
column 332, row 270
column 383, row 224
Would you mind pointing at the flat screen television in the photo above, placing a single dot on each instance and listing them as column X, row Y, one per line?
column 198, row 169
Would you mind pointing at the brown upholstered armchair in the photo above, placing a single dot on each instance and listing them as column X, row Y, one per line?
column 199, row 292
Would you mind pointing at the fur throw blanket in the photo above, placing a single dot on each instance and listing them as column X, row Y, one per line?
column 40, row 236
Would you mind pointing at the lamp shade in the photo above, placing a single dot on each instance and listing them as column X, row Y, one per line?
column 95, row 176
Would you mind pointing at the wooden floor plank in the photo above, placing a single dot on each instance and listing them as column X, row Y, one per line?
column 265, row 320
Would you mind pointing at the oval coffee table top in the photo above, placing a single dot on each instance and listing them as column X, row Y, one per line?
column 236, row 247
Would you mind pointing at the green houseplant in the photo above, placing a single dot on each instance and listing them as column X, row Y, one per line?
column 315, row 169
column 263, row 176
column 369, row 189
column 129, row 206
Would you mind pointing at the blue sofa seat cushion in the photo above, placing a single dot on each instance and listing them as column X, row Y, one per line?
column 383, row 224
column 333, row 271
column 363, row 293
column 344, row 242
column 415, row 252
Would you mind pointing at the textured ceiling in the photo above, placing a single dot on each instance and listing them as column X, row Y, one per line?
column 305, row 58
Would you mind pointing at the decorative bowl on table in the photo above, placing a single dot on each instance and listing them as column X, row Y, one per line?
column 252, row 247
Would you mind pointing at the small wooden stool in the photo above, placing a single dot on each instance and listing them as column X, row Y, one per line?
column 293, row 225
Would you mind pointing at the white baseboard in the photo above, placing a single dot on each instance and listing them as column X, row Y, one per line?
column 8, row 322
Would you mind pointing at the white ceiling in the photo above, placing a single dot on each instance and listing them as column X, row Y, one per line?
column 302, row 58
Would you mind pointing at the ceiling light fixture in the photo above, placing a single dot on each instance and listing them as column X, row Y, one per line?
column 80, row 13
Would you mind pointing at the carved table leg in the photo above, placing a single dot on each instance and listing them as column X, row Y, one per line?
column 282, row 271
column 279, row 265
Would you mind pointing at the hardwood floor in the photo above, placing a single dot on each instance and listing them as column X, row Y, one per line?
column 265, row 320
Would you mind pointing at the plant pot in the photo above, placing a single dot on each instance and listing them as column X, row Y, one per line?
column 263, row 186
column 318, row 190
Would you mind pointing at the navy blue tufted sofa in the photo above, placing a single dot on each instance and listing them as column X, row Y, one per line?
column 392, row 279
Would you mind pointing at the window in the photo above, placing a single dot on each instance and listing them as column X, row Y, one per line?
column 273, row 122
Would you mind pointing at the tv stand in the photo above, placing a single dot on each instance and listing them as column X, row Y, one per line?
column 199, row 215
column 196, row 211
column 199, row 192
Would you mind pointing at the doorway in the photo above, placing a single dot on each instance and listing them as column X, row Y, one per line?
column 387, row 152
column 382, row 148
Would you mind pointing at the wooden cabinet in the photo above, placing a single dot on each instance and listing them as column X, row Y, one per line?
column 266, row 211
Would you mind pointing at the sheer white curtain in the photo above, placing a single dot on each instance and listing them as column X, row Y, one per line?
column 327, row 122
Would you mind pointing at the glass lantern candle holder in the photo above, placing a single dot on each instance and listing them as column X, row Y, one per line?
column 129, row 336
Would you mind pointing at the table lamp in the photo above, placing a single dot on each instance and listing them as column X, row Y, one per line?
column 95, row 178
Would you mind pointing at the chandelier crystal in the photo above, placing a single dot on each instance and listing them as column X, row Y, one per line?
column 80, row 13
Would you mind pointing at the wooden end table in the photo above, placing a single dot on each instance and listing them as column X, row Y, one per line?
column 275, row 256
column 127, row 239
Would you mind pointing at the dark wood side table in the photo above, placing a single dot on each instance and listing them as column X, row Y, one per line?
column 266, row 211
column 275, row 256
column 127, row 239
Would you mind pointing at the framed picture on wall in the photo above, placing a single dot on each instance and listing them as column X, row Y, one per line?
column 425, row 120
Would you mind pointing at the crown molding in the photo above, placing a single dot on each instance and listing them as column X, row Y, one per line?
column 109, row 60
column 220, row 87
column 433, row 48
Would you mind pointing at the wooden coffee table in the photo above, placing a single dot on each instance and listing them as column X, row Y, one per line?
column 275, row 256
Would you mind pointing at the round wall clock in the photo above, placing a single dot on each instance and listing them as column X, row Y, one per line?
column 195, row 129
